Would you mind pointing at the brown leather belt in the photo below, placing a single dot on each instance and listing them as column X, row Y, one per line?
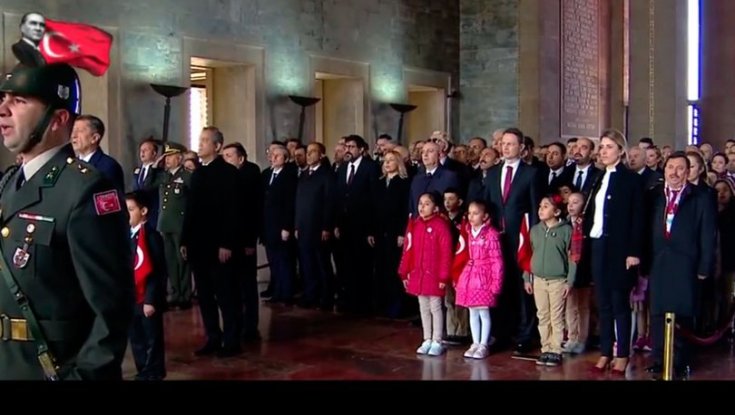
column 15, row 329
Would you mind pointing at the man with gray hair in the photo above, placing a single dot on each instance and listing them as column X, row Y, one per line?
column 209, row 240
column 32, row 29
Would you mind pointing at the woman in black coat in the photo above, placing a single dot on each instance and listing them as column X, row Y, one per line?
column 391, row 217
column 613, row 228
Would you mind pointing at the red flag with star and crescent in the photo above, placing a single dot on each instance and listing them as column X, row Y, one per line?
column 77, row 44
column 143, row 265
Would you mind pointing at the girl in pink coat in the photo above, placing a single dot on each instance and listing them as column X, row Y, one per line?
column 425, row 269
column 479, row 284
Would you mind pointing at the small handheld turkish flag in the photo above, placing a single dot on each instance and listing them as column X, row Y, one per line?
column 143, row 265
column 77, row 44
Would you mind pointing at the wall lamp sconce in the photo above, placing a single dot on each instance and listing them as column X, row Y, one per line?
column 303, row 102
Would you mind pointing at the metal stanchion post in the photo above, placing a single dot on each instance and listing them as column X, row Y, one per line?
column 669, row 326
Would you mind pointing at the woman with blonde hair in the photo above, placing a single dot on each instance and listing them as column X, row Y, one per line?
column 391, row 218
column 614, row 240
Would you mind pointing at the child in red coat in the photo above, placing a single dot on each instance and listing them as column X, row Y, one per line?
column 425, row 268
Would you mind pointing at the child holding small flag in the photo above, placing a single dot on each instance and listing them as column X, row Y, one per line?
column 146, row 331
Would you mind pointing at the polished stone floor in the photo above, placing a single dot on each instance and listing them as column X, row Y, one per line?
column 301, row 344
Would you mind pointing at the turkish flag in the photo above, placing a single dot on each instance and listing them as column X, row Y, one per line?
column 462, row 251
column 524, row 246
column 76, row 44
column 143, row 265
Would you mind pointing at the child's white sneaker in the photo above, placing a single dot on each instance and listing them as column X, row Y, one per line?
column 482, row 352
column 436, row 349
column 471, row 351
column 424, row 348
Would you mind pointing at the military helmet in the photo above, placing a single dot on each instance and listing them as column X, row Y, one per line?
column 56, row 84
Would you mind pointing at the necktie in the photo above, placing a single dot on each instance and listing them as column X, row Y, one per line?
column 429, row 175
column 21, row 179
column 311, row 171
column 508, row 181
column 671, row 207
column 273, row 178
column 553, row 176
column 578, row 183
column 351, row 175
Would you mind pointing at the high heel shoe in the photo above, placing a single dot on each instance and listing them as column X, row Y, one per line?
column 620, row 372
column 605, row 365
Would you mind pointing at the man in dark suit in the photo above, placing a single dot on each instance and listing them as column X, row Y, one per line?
column 431, row 178
column 637, row 163
column 32, row 29
column 356, row 187
column 279, row 184
column 683, row 234
column 250, row 206
column 149, row 176
column 314, row 225
column 489, row 158
column 551, row 175
column 462, row 172
column 64, row 238
column 511, row 191
column 209, row 240
column 582, row 173
column 85, row 139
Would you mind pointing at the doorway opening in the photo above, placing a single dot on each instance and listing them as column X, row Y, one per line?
column 429, row 115
column 340, row 111
column 222, row 94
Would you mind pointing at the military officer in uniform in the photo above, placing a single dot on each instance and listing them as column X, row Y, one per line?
column 66, row 284
column 173, row 192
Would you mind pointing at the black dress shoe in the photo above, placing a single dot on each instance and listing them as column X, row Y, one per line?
column 655, row 368
column 229, row 351
column 208, row 350
column 251, row 336
column 523, row 348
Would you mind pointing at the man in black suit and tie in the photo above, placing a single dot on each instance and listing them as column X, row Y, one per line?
column 433, row 177
column 511, row 191
column 250, row 208
column 489, row 158
column 682, row 235
column 582, row 174
column 149, row 175
column 637, row 163
column 356, row 187
column 551, row 175
column 209, row 240
column 314, row 225
column 85, row 140
column 32, row 29
column 279, row 184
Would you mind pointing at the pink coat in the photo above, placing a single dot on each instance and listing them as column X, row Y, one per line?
column 427, row 256
column 482, row 277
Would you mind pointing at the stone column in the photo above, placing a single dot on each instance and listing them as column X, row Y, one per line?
column 658, row 53
column 717, row 80
column 489, row 59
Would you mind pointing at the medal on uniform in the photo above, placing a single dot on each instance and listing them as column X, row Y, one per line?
column 177, row 190
column 21, row 255
column 20, row 258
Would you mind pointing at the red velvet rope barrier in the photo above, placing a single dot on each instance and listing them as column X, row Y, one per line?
column 712, row 339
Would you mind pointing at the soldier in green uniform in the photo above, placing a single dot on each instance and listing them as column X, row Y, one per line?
column 173, row 191
column 66, row 285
